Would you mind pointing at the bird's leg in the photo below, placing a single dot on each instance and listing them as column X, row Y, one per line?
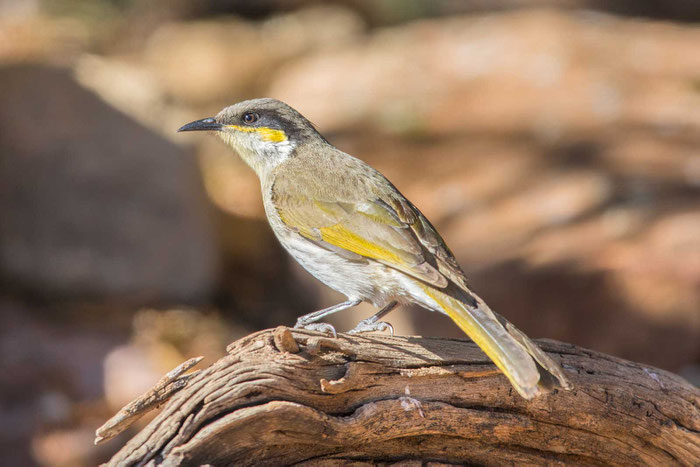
column 373, row 324
column 309, row 321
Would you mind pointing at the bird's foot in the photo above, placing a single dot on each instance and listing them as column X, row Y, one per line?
column 367, row 325
column 320, row 327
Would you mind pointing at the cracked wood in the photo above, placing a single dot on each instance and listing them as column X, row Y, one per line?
column 292, row 396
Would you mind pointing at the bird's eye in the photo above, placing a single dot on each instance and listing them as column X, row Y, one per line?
column 250, row 117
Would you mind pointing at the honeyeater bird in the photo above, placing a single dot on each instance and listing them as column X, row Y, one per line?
column 347, row 225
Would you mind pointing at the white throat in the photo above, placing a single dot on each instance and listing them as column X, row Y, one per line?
column 261, row 156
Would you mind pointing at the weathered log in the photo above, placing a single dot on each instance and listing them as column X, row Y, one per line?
column 168, row 385
column 292, row 396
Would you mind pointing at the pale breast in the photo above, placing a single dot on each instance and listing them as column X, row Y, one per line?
column 370, row 281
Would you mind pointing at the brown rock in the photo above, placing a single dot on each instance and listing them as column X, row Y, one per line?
column 94, row 204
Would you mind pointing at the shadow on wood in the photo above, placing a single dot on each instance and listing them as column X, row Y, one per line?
column 291, row 396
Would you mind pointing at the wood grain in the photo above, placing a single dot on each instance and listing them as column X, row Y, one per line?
column 292, row 396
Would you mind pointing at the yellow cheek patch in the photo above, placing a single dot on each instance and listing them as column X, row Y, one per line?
column 270, row 135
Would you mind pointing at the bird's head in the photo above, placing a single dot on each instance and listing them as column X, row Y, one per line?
column 264, row 132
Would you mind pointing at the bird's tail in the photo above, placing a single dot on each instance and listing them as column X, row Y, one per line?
column 528, row 368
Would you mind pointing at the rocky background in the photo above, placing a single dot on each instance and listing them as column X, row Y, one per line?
column 556, row 149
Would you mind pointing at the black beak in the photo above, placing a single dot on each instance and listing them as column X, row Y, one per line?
column 205, row 124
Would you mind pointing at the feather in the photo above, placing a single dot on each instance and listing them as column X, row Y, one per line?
column 343, row 205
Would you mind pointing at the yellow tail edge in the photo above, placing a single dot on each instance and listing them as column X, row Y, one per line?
column 510, row 350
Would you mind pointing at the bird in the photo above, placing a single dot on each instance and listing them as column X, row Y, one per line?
column 351, row 228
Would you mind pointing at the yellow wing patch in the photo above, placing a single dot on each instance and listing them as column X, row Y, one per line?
column 270, row 135
column 337, row 225
column 344, row 238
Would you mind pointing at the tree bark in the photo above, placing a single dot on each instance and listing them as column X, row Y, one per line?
column 291, row 396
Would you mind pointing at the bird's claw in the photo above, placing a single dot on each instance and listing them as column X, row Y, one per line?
column 320, row 327
column 372, row 326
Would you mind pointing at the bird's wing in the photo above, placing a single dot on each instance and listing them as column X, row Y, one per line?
column 391, row 232
column 430, row 240
column 362, row 226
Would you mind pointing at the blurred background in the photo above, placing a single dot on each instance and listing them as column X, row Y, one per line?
column 555, row 145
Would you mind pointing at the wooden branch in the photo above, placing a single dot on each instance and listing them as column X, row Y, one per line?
column 168, row 385
column 290, row 396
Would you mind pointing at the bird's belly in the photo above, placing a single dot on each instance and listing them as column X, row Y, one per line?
column 368, row 281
